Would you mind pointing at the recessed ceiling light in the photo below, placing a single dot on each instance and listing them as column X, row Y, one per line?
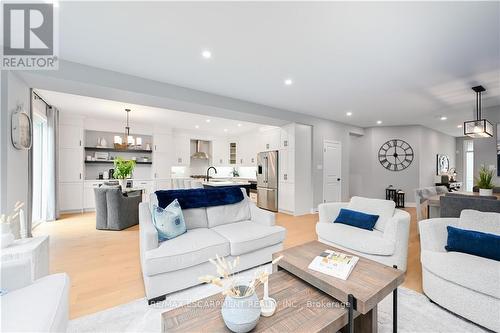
column 443, row 118
column 206, row 54
column 288, row 82
column 348, row 113
column 196, row 126
column 239, row 125
column 208, row 120
column 225, row 129
column 459, row 126
column 379, row 122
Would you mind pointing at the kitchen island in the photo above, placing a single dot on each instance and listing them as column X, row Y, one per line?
column 213, row 183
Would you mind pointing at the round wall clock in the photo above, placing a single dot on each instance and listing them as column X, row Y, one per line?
column 395, row 155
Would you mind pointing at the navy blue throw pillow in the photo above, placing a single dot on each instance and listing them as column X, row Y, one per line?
column 356, row 219
column 477, row 243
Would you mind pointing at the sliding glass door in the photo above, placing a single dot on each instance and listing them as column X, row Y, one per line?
column 469, row 165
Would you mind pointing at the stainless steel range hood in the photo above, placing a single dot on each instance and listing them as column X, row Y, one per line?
column 199, row 154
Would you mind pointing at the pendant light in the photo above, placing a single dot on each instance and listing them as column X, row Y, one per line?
column 127, row 140
column 478, row 128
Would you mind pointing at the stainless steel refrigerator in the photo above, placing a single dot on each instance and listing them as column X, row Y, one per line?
column 267, row 180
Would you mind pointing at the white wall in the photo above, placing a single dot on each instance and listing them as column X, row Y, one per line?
column 14, row 171
column 370, row 178
column 432, row 143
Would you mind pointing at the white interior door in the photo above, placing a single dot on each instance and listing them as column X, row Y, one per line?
column 332, row 166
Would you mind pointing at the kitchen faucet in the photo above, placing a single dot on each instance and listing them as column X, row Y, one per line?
column 208, row 171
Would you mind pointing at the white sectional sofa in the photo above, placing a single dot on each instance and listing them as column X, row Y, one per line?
column 241, row 229
column 387, row 243
column 465, row 284
column 33, row 306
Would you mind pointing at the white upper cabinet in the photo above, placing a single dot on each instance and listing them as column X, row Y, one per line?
column 163, row 143
column 220, row 152
column 70, row 136
column 287, row 136
column 287, row 165
column 269, row 140
column 182, row 150
column 70, row 165
column 70, row 153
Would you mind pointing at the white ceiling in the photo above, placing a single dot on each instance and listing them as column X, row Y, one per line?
column 399, row 62
column 97, row 108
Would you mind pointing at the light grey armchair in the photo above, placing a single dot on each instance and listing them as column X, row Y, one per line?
column 116, row 210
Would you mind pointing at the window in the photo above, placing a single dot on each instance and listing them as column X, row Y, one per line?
column 469, row 165
column 39, row 166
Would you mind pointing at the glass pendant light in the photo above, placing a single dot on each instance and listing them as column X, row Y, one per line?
column 478, row 128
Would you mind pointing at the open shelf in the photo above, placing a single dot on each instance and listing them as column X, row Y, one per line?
column 103, row 162
column 119, row 150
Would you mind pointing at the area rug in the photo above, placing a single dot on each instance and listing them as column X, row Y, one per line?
column 415, row 313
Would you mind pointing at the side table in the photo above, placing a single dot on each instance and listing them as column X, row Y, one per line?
column 35, row 249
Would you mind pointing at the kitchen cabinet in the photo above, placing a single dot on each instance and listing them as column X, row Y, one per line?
column 182, row 150
column 148, row 187
column 88, row 194
column 162, row 163
column 163, row 143
column 233, row 152
column 70, row 136
column 287, row 136
column 71, row 196
column 70, row 165
column 220, row 152
column 287, row 165
column 269, row 140
column 295, row 189
column 286, row 197
column 162, row 184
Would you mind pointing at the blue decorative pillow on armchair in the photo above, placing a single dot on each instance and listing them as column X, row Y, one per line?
column 169, row 221
column 356, row 219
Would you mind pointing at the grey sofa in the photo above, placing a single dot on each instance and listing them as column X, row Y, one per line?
column 238, row 230
column 114, row 209
column 452, row 204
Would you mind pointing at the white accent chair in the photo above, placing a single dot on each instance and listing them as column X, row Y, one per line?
column 241, row 229
column 387, row 243
column 33, row 306
column 465, row 284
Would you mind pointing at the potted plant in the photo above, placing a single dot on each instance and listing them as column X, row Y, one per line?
column 485, row 181
column 123, row 170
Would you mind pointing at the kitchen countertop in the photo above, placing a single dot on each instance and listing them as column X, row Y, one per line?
column 225, row 183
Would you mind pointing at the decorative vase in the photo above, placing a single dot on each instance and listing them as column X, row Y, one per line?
column 485, row 192
column 123, row 183
column 241, row 314
column 6, row 236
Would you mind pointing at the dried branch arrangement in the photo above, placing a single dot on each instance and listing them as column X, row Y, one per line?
column 10, row 218
column 230, row 282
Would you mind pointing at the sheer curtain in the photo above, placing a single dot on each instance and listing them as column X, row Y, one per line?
column 52, row 211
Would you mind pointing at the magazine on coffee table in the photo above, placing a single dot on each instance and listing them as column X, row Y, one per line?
column 336, row 264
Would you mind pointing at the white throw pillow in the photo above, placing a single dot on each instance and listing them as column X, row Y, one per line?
column 383, row 208
column 479, row 221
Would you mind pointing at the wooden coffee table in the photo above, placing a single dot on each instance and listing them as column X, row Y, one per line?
column 368, row 284
column 308, row 301
column 301, row 308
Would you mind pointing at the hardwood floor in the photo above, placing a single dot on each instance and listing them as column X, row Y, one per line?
column 104, row 266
